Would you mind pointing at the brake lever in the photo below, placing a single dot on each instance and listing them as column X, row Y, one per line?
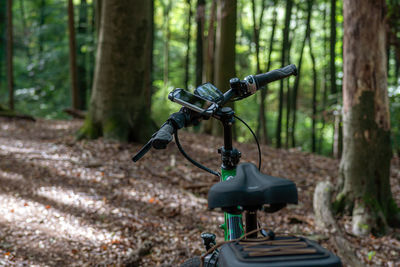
column 143, row 151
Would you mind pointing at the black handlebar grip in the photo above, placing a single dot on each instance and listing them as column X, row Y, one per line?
column 162, row 138
column 274, row 75
column 142, row 152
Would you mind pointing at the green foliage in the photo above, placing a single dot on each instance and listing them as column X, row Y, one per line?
column 41, row 70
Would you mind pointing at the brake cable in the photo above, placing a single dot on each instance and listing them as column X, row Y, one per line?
column 199, row 165
column 255, row 138
column 195, row 163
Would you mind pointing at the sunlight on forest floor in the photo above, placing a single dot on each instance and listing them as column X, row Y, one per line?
column 69, row 203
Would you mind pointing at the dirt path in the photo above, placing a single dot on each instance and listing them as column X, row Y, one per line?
column 68, row 203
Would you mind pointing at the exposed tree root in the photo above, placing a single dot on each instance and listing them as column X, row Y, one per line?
column 324, row 220
column 7, row 113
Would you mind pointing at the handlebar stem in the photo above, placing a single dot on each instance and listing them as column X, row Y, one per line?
column 229, row 155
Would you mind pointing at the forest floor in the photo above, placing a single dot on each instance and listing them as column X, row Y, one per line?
column 83, row 203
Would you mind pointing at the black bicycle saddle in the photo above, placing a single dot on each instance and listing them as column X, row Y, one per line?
column 250, row 188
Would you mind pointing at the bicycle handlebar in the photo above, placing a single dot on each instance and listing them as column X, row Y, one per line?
column 162, row 138
column 274, row 75
column 239, row 88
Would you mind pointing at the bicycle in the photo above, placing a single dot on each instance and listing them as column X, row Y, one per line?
column 242, row 189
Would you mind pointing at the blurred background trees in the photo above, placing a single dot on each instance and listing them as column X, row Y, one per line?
column 302, row 112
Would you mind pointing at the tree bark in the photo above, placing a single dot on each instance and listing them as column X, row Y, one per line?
column 365, row 165
column 10, row 71
column 200, row 21
column 187, row 60
column 225, row 49
column 72, row 58
column 285, row 43
column 117, row 108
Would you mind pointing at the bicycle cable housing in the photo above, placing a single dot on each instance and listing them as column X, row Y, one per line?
column 255, row 138
column 195, row 163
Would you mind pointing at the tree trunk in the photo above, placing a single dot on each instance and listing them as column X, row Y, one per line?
column 337, row 132
column 97, row 16
column 25, row 31
column 314, row 95
column 256, row 33
column 42, row 19
column 332, row 47
column 225, row 49
column 167, row 37
column 10, row 72
column 209, row 66
column 297, row 80
column 118, row 107
column 187, row 60
column 72, row 58
column 285, row 43
column 82, row 56
column 264, row 92
column 365, row 164
column 323, row 85
column 149, row 81
column 200, row 20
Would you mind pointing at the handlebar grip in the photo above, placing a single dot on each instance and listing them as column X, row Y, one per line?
column 274, row 75
column 142, row 152
column 162, row 138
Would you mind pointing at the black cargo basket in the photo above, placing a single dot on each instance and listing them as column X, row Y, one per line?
column 282, row 251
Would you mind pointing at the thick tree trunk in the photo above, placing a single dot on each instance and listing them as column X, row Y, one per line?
column 10, row 72
column 285, row 51
column 365, row 164
column 297, row 80
column 200, row 21
column 117, row 108
column 225, row 49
